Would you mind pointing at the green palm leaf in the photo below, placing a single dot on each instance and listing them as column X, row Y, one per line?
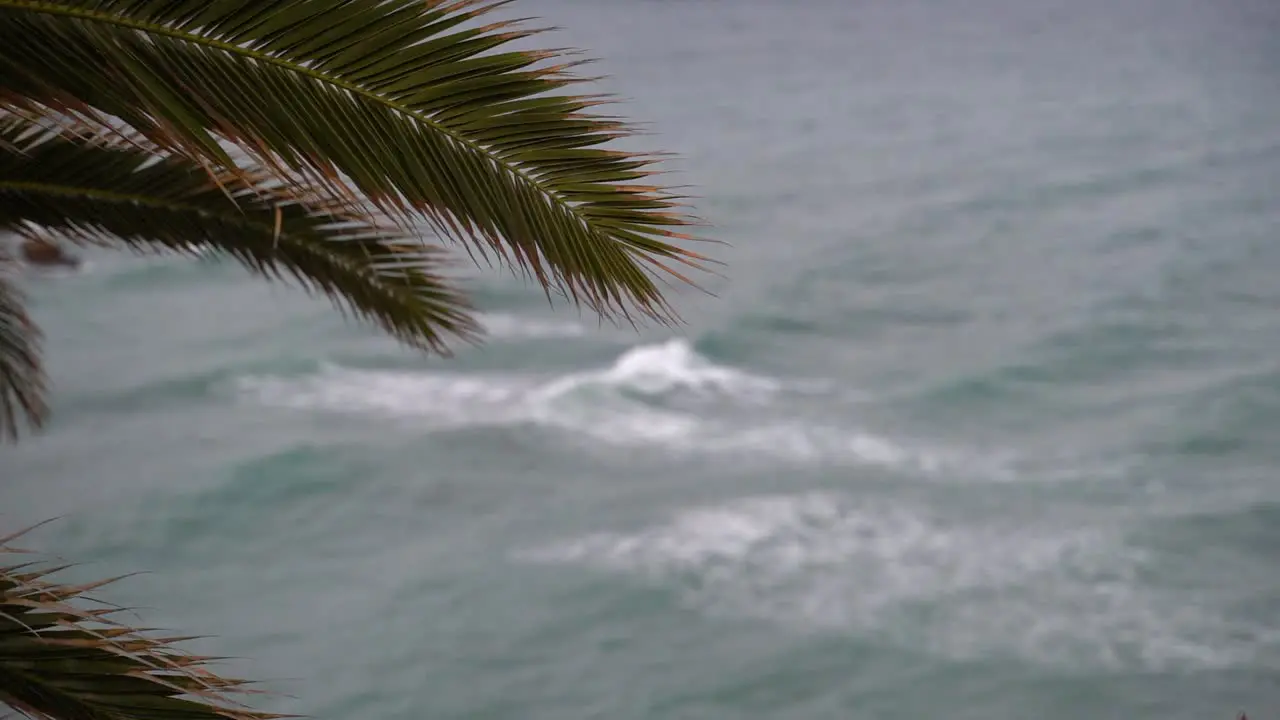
column 63, row 660
column 22, row 381
column 407, row 103
column 74, row 183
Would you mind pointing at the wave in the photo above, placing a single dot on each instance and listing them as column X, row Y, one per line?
column 664, row 395
column 668, row 367
column 830, row 562
column 504, row 326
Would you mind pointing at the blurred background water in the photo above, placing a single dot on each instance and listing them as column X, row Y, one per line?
column 983, row 423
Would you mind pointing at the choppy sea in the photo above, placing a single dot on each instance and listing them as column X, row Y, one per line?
column 983, row 420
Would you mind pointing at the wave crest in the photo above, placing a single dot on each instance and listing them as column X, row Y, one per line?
column 664, row 395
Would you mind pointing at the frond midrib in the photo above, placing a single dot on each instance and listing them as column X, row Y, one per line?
column 152, row 201
column 236, row 218
column 160, row 29
column 105, row 195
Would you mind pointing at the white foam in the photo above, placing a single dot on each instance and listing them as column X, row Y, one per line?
column 830, row 562
column 674, row 365
column 504, row 326
column 810, row 443
column 450, row 400
column 662, row 395
column 648, row 370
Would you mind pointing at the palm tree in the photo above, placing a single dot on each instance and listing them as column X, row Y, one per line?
column 313, row 139
column 65, row 657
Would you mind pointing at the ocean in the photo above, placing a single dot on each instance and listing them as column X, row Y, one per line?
column 981, row 419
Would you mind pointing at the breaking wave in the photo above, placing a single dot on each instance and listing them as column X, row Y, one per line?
column 664, row 394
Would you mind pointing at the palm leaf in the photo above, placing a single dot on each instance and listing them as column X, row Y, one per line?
column 22, row 380
column 62, row 659
column 71, row 180
column 408, row 103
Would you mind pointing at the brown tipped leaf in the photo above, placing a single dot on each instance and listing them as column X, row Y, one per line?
column 61, row 660
column 411, row 105
column 22, row 380
column 89, row 187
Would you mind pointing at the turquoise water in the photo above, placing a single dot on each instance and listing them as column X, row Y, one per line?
column 983, row 423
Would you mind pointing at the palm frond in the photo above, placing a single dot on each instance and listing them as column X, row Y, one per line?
column 22, row 379
column 409, row 103
column 72, row 180
column 65, row 657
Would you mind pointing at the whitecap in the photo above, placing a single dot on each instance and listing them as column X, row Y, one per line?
column 675, row 365
column 664, row 369
column 504, row 326
column 1067, row 597
column 445, row 399
column 648, row 370
column 665, row 396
